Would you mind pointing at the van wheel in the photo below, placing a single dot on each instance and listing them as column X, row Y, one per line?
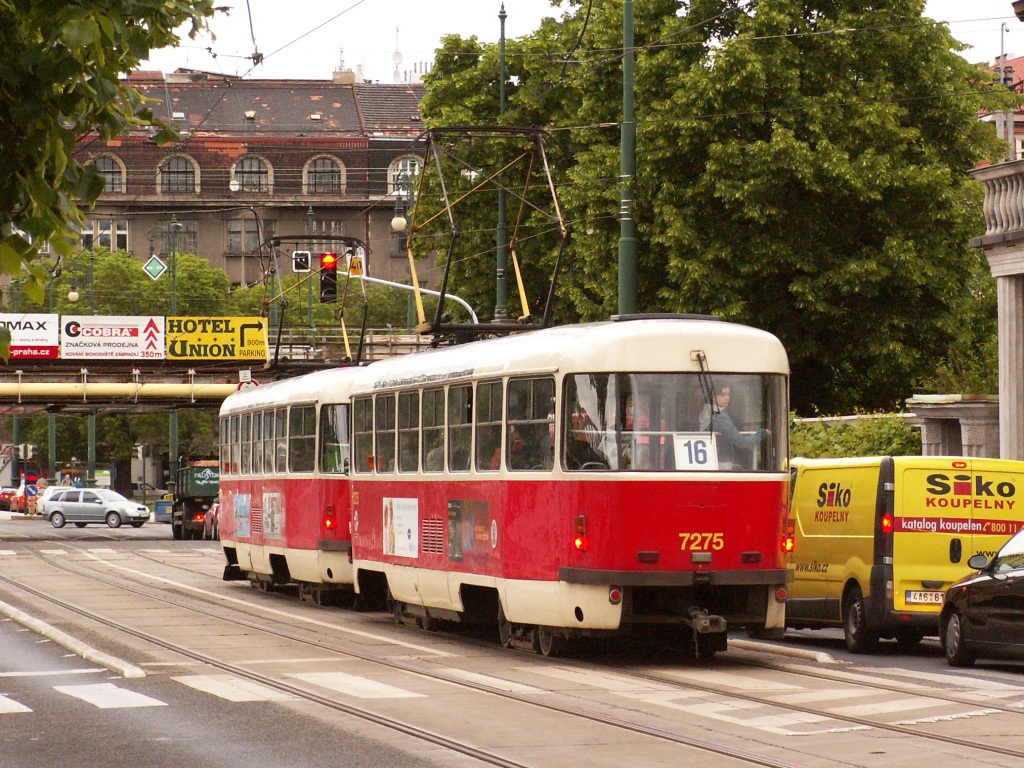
column 859, row 637
column 957, row 653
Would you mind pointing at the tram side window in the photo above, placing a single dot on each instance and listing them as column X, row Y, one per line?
column 334, row 438
column 234, row 445
column 408, row 431
column 362, row 433
column 257, row 443
column 246, row 444
column 225, row 461
column 588, row 429
column 268, row 442
column 530, row 440
column 488, row 425
column 281, row 440
column 384, row 423
column 460, row 427
column 302, row 438
column 433, row 430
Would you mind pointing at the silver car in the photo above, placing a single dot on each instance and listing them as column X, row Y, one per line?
column 82, row 506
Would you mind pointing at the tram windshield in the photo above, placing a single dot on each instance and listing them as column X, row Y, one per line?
column 657, row 422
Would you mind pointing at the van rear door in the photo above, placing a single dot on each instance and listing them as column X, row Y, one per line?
column 947, row 509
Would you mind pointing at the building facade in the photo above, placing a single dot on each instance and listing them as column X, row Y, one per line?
column 300, row 160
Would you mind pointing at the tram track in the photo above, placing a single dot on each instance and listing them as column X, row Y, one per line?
column 215, row 608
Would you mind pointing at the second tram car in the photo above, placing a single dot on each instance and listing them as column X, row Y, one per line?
column 589, row 479
column 284, row 489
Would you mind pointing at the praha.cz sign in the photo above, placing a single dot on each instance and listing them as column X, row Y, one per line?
column 87, row 337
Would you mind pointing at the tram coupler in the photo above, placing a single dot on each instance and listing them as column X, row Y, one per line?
column 709, row 632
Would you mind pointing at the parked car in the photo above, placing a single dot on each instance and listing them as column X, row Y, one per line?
column 211, row 524
column 7, row 499
column 984, row 613
column 82, row 506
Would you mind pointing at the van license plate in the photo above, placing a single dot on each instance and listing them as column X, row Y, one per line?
column 925, row 598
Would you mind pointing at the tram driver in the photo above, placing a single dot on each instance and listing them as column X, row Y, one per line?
column 732, row 443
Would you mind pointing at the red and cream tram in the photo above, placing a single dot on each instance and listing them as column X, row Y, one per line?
column 578, row 479
column 284, row 491
column 586, row 479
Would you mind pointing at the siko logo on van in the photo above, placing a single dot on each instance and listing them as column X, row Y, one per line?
column 966, row 485
column 833, row 495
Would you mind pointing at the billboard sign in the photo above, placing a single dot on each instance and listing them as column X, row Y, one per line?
column 217, row 338
column 88, row 337
column 33, row 337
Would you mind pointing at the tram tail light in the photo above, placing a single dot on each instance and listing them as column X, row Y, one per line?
column 788, row 543
column 579, row 541
column 329, row 517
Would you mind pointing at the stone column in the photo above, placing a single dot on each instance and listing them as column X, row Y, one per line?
column 1011, row 366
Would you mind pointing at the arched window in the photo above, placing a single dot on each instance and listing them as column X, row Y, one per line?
column 325, row 176
column 402, row 174
column 177, row 174
column 111, row 172
column 252, row 174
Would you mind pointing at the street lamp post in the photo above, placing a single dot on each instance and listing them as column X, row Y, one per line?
column 172, row 417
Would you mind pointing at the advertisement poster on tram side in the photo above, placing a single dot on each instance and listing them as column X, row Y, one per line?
column 217, row 338
column 469, row 531
column 33, row 337
column 401, row 527
column 111, row 337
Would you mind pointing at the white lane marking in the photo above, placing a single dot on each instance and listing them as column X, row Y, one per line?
column 497, row 683
column 826, row 694
column 248, row 606
column 944, row 718
column 10, row 706
column 888, row 707
column 978, row 685
column 109, row 696
column 729, row 680
column 608, row 681
column 53, row 551
column 360, row 687
column 7, row 552
column 233, row 688
column 53, row 673
column 102, row 551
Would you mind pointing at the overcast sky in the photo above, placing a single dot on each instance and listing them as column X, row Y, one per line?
column 308, row 38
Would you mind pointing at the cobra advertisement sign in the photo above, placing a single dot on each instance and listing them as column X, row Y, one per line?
column 86, row 337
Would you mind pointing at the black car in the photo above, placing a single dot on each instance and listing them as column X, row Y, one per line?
column 984, row 613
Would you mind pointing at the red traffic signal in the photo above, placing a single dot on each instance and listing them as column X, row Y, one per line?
column 328, row 278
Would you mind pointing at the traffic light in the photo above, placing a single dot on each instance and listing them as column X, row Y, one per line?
column 328, row 278
column 300, row 261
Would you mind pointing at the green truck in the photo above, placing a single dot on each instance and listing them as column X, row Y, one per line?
column 195, row 492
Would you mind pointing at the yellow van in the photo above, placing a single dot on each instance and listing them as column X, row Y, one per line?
column 878, row 540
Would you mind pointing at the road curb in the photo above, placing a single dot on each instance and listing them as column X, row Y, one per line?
column 76, row 646
column 783, row 650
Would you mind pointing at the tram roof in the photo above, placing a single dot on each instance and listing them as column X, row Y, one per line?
column 310, row 386
column 658, row 344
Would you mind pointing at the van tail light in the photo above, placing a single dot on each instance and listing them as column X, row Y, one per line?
column 579, row 541
column 887, row 523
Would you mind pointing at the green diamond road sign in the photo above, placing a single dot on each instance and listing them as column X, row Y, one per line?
column 154, row 267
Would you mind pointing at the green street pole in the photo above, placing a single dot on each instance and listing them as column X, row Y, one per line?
column 501, row 288
column 627, row 151
column 172, row 417
column 309, row 280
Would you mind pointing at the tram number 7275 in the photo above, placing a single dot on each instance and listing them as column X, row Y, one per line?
column 702, row 542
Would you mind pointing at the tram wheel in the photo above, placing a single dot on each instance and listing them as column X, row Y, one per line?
column 546, row 643
column 504, row 628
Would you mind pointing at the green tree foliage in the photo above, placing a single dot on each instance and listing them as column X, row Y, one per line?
column 59, row 82
column 801, row 167
column 882, row 434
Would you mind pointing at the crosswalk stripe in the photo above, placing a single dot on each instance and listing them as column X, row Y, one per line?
column 109, row 696
column 351, row 685
column 609, row 682
column 730, row 680
column 10, row 706
column 497, row 683
column 233, row 688
column 888, row 707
